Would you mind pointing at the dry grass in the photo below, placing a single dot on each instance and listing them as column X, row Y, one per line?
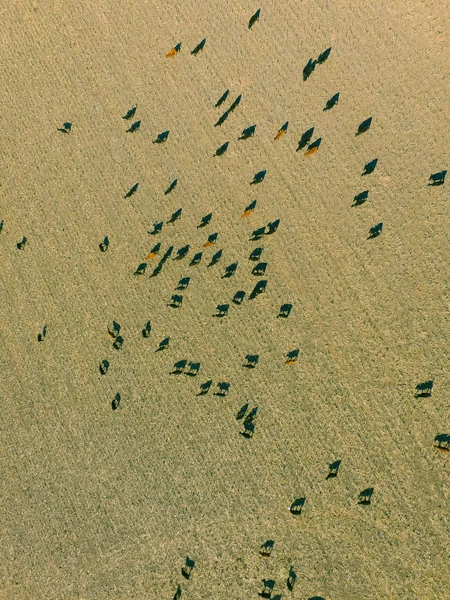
column 100, row 504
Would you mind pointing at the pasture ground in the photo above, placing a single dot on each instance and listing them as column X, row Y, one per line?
column 100, row 504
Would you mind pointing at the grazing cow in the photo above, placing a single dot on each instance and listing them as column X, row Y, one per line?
column 157, row 270
column 134, row 127
column 156, row 228
column 247, row 132
column 332, row 102
column 215, row 258
column 259, row 269
column 365, row 496
column 257, row 234
column 272, row 227
column 118, row 343
column 364, row 126
column 186, row 571
column 266, row 548
column 424, row 390
column 249, row 430
column 305, row 139
column 130, row 113
column 21, row 245
column 177, row 594
column 249, row 209
column 166, row 255
column 163, row 345
column 259, row 177
column 256, row 253
column 194, row 369
column 175, row 216
column 113, row 329
column 222, row 99
column 291, row 357
column 205, row 221
column 196, row 259
column 222, row 149
column 252, row 361
column 442, row 442
column 154, row 251
column 132, row 190
column 370, row 167
column 283, row 129
column 249, row 423
column 141, row 269
column 223, row 388
column 309, row 68
column 66, row 127
column 222, row 310
column 222, row 119
column 437, row 178
column 254, row 18
column 285, row 311
column 183, row 283
column 1, row 225
column 199, row 47
column 360, row 198
column 292, row 578
column 235, row 103
column 176, row 301
column 179, row 367
column 268, row 585
column 333, row 469
column 41, row 336
column 212, row 238
column 105, row 244
column 230, row 270
column 312, row 148
column 251, row 415
column 238, row 298
column 375, row 231
column 182, row 252
column 171, row 187
column 205, row 387
column 297, row 506
column 116, row 401
column 104, row 366
column 241, row 412
column 160, row 265
column 259, row 288
column 161, row 137
column 147, row 329
column 174, row 51
column 323, row 57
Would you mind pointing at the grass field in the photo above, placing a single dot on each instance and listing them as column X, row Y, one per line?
column 99, row 504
